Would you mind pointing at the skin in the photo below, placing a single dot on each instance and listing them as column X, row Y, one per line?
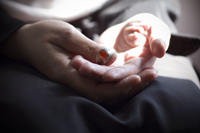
column 137, row 41
column 59, row 51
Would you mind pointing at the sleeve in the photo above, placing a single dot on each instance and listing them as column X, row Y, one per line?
column 8, row 25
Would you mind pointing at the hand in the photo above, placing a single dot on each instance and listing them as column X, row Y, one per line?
column 114, row 92
column 138, row 41
column 50, row 45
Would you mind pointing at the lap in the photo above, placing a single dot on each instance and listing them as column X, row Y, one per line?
column 31, row 102
column 176, row 67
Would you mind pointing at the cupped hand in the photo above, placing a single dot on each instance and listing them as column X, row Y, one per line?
column 112, row 92
column 138, row 42
column 50, row 46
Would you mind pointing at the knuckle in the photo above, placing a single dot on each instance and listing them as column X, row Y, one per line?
column 91, row 52
column 69, row 31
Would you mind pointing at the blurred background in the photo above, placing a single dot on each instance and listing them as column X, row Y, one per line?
column 189, row 23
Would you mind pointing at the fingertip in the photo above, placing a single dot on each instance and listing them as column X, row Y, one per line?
column 153, row 70
column 149, row 75
column 153, row 76
column 85, row 69
column 76, row 62
column 136, row 80
column 112, row 59
column 158, row 47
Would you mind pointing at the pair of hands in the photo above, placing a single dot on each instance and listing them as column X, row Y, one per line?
column 63, row 54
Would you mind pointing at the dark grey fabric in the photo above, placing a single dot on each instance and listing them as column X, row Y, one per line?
column 30, row 102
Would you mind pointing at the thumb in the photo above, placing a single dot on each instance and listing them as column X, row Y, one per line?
column 159, row 37
column 159, row 41
column 78, row 44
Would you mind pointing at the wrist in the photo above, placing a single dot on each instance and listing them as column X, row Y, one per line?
column 12, row 46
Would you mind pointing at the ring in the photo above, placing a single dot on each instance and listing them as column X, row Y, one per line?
column 104, row 55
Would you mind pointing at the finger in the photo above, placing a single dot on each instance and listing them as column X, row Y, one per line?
column 135, row 52
column 131, row 67
column 135, row 39
column 102, row 92
column 146, row 76
column 114, row 91
column 134, row 35
column 159, row 36
column 89, row 69
column 75, row 42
